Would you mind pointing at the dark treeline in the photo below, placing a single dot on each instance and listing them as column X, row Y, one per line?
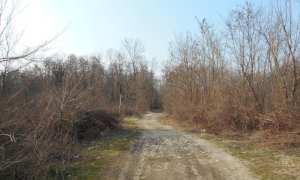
column 243, row 77
column 127, row 81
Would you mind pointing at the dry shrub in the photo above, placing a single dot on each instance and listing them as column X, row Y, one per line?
column 36, row 134
column 279, row 121
column 127, row 111
column 247, row 120
column 279, row 129
column 199, row 121
column 240, row 119
column 237, row 118
column 93, row 124
column 33, row 137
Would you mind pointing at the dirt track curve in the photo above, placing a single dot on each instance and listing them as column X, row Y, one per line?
column 164, row 153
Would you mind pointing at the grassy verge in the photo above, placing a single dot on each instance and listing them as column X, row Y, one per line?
column 94, row 159
column 265, row 162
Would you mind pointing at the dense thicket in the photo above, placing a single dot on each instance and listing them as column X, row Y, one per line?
column 48, row 103
column 39, row 105
column 245, row 77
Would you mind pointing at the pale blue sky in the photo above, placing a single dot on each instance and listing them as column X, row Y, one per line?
column 97, row 25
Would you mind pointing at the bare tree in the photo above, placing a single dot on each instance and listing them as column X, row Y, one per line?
column 135, row 51
column 243, row 77
column 12, row 55
column 290, row 26
column 245, row 44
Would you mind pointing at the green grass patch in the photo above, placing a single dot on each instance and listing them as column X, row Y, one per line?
column 95, row 158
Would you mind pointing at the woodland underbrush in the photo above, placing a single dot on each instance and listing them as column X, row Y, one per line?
column 279, row 129
column 37, row 137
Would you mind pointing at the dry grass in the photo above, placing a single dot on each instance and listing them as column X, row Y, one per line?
column 266, row 162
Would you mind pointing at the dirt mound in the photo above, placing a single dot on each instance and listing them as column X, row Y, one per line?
column 91, row 124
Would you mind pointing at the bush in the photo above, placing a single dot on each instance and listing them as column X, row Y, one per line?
column 91, row 124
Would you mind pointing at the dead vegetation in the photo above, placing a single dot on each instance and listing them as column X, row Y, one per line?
column 242, row 79
column 90, row 125
column 46, row 110
column 48, row 105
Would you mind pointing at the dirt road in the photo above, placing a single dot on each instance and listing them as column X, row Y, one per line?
column 165, row 153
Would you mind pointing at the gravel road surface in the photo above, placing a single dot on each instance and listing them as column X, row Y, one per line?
column 163, row 153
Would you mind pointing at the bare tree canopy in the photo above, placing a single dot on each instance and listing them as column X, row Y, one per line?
column 240, row 76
